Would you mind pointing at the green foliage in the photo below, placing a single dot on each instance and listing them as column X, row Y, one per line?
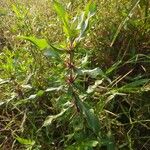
column 84, row 145
column 49, row 119
column 40, row 43
column 27, row 142
column 87, row 90
column 92, row 120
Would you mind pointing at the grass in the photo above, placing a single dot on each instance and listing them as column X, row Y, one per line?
column 106, row 106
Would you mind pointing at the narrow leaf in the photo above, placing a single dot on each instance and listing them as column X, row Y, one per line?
column 51, row 118
column 91, row 88
column 124, row 22
column 4, row 81
column 40, row 43
column 61, row 11
column 54, row 89
column 90, row 8
column 25, row 141
column 92, row 119
column 63, row 16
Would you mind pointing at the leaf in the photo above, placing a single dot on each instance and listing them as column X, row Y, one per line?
column 26, row 86
column 61, row 12
column 49, row 52
column 25, row 141
column 82, row 26
column 92, row 119
column 146, row 87
column 13, row 96
column 32, row 97
column 53, row 89
column 40, row 43
column 90, row 8
column 4, row 81
column 63, row 16
column 51, row 118
column 38, row 94
column 16, row 11
column 124, row 22
column 133, row 87
column 85, row 61
column 91, row 88
column 136, row 83
column 80, row 20
column 110, row 143
column 113, row 67
column 52, row 51
column 83, row 20
column 92, row 73
column 91, row 143
column 87, row 144
column 41, row 92
column 55, row 48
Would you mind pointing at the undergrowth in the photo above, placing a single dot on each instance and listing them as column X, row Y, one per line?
column 74, row 75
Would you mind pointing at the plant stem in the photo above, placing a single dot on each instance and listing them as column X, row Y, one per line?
column 70, row 64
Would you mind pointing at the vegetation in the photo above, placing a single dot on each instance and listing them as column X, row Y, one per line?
column 74, row 75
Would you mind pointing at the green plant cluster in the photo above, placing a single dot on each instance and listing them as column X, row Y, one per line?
column 74, row 75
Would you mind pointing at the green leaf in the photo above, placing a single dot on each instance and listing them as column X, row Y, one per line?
column 90, row 8
column 146, row 87
column 53, row 51
column 4, row 81
column 91, row 143
column 136, row 83
column 84, row 27
column 84, row 61
column 61, row 12
column 16, row 10
column 13, row 96
column 40, row 43
column 40, row 93
column 124, row 22
column 110, row 144
column 113, row 67
column 51, row 118
column 91, row 88
column 87, row 144
column 92, row 119
column 83, row 20
column 93, row 73
column 63, row 16
column 54, row 89
column 32, row 97
column 49, row 52
column 58, row 50
column 25, row 141
column 133, row 86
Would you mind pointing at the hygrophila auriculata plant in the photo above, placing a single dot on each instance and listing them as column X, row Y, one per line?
column 74, row 30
